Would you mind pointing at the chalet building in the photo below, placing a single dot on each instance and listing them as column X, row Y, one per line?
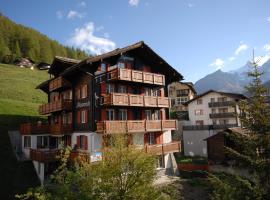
column 180, row 93
column 120, row 92
column 209, row 113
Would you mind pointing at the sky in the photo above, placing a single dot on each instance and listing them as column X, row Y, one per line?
column 196, row 37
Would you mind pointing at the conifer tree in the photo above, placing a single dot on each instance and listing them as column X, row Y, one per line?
column 253, row 147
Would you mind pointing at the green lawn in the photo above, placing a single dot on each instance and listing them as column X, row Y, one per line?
column 19, row 102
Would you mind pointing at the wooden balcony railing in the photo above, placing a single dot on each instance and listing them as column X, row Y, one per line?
column 55, row 129
column 222, row 115
column 55, row 106
column 119, row 99
column 221, row 104
column 49, row 155
column 161, row 149
column 136, row 76
column 29, row 129
column 58, row 83
column 60, row 129
column 209, row 127
column 135, row 126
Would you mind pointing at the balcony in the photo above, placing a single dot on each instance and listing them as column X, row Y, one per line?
column 30, row 129
column 59, row 83
column 55, row 106
column 209, row 127
column 161, row 149
column 222, row 115
column 221, row 104
column 136, row 76
column 49, row 155
column 118, row 99
column 135, row 126
column 60, row 129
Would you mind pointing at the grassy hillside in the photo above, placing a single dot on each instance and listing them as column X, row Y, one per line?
column 19, row 102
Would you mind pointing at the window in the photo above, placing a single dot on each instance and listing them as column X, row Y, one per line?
column 121, row 65
column 110, row 88
column 110, row 114
column 179, row 101
column 223, row 110
column 84, row 91
column 157, row 115
column 147, row 91
column 180, row 93
column 152, row 139
column 122, row 89
column 222, row 99
column 103, row 67
column 83, row 116
column 223, row 121
column 148, row 114
column 122, row 114
column 173, row 102
column 27, row 142
column 199, row 122
column 82, row 142
column 42, row 142
column 199, row 112
column 214, row 122
column 212, row 100
column 199, row 101
column 213, row 110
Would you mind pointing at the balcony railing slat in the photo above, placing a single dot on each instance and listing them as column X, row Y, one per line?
column 55, row 106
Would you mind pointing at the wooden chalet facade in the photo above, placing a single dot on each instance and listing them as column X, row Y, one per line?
column 120, row 92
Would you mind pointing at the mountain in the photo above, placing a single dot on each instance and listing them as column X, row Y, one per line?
column 20, row 41
column 232, row 81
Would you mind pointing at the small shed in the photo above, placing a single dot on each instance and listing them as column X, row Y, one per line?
column 43, row 66
column 215, row 144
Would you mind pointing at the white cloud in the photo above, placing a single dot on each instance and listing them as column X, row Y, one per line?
column 106, row 35
column 218, row 63
column 266, row 47
column 232, row 58
column 99, row 28
column 85, row 39
column 82, row 4
column 242, row 47
column 268, row 19
column 59, row 14
column 133, row 2
column 72, row 14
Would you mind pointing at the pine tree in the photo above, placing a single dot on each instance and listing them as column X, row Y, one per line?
column 253, row 147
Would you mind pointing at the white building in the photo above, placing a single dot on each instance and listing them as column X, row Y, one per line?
column 209, row 113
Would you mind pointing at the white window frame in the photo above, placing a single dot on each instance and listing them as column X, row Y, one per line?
column 110, row 88
column 27, row 140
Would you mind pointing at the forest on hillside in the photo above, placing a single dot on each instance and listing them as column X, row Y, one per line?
column 18, row 41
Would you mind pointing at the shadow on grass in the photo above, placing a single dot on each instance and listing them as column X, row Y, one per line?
column 15, row 177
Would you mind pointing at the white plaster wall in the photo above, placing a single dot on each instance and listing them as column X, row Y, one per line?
column 194, row 143
column 41, row 175
column 167, row 161
column 167, row 136
column 207, row 110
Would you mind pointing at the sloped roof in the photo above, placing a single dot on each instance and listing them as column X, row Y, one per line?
column 59, row 64
column 139, row 48
column 233, row 95
column 237, row 130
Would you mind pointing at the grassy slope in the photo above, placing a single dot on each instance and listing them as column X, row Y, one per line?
column 18, row 103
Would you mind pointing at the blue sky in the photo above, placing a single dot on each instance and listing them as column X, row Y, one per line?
column 196, row 37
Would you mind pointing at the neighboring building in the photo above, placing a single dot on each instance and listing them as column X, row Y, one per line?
column 180, row 93
column 120, row 92
column 216, row 143
column 209, row 113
